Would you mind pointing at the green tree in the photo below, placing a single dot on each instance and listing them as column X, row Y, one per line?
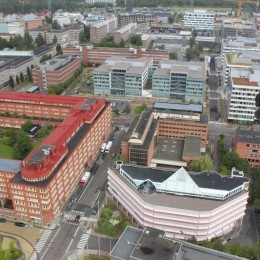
column 27, row 126
column 29, row 74
column 55, row 40
column 17, row 80
column 11, row 134
column 232, row 159
column 39, row 41
column 59, row 49
column 204, row 163
column 11, row 82
column 23, row 145
column 85, row 35
column 28, row 42
column 121, row 44
column 55, row 25
column 173, row 56
column 136, row 40
column 21, row 77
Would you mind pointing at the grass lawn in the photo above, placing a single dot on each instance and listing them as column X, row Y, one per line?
column 139, row 109
column 36, row 144
column 256, row 203
column 6, row 151
column 96, row 257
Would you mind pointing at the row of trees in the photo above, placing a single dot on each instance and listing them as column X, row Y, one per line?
column 247, row 251
column 21, row 77
column 195, row 49
column 60, row 88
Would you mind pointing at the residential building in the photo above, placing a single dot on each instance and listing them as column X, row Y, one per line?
column 67, row 18
column 37, row 187
column 65, row 36
column 207, row 206
column 235, row 26
column 93, row 19
column 200, row 19
column 122, row 76
column 101, row 30
column 133, row 241
column 245, row 85
column 247, row 146
column 55, row 71
column 179, row 80
column 124, row 33
column 163, row 136
column 46, row 49
column 11, row 29
column 35, row 32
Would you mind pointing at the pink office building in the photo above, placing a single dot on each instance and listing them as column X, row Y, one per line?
column 204, row 205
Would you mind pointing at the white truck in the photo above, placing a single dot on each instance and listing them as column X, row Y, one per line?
column 103, row 147
column 108, row 146
column 85, row 178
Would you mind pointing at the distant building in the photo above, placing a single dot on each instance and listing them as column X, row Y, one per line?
column 55, row 71
column 122, row 76
column 124, row 33
column 101, row 30
column 245, row 85
column 179, row 80
column 207, row 206
column 67, row 18
column 247, row 146
column 200, row 19
column 91, row 2
column 93, row 19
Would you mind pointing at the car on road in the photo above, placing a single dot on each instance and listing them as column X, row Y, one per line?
column 113, row 155
column 20, row 224
column 2, row 220
column 77, row 218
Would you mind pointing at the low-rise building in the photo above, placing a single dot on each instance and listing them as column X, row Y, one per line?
column 55, row 71
column 200, row 19
column 67, row 18
column 179, row 80
column 245, row 85
column 208, row 205
column 122, row 76
column 247, row 146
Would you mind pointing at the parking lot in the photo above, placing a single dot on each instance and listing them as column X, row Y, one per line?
column 257, row 223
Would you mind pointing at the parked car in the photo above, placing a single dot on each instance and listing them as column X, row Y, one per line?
column 77, row 218
column 20, row 224
column 2, row 220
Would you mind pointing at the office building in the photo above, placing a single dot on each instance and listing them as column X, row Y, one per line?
column 36, row 188
column 199, row 19
column 67, row 18
column 179, row 80
column 55, row 71
column 245, row 85
column 101, row 30
column 247, row 146
column 207, row 206
column 124, row 33
column 122, row 76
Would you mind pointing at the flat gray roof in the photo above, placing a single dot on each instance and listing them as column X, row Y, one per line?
column 169, row 149
column 178, row 107
column 248, row 136
column 192, row 146
column 9, row 165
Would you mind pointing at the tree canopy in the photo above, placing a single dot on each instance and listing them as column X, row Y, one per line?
column 23, row 145
column 204, row 163
column 136, row 40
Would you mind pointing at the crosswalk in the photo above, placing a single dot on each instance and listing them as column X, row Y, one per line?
column 83, row 241
column 71, row 217
column 42, row 240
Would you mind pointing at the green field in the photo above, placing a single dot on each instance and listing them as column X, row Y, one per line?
column 6, row 151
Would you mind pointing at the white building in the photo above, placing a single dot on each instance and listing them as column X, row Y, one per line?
column 199, row 19
column 204, row 205
column 245, row 86
column 91, row 2
column 66, row 18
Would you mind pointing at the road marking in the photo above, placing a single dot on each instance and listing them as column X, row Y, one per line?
column 96, row 199
column 83, row 241
column 73, row 216
column 46, row 234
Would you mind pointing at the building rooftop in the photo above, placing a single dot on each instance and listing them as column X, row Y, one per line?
column 178, row 107
column 248, row 136
column 192, row 146
column 10, row 165
column 244, row 82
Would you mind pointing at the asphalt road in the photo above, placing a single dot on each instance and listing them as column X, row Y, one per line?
column 85, row 201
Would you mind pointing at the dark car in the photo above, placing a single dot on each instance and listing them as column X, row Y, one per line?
column 3, row 220
column 20, row 224
column 77, row 218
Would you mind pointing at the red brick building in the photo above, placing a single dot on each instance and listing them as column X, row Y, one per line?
column 55, row 71
column 37, row 187
column 247, row 146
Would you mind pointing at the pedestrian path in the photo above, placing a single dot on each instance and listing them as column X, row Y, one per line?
column 46, row 234
column 83, row 241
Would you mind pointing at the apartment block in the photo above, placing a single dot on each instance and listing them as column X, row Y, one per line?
column 199, row 19
column 207, row 206
column 36, row 188
column 247, row 146
column 125, row 32
column 101, row 30
column 55, row 71
column 179, row 80
column 122, row 76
